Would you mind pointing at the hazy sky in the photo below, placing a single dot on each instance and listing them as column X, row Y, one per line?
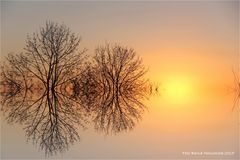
column 191, row 43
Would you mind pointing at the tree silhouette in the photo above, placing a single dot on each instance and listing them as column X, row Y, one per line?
column 51, row 89
column 34, row 87
column 86, row 88
column 118, row 75
column 52, row 55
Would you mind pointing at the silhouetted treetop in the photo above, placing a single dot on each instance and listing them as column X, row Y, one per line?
column 120, row 78
column 52, row 55
column 35, row 91
column 51, row 88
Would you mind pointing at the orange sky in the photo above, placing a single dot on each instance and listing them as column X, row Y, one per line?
column 192, row 46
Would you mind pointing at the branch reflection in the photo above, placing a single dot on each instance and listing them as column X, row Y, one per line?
column 52, row 90
column 115, row 88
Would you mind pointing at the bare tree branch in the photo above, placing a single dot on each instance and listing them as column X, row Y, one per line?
column 32, row 88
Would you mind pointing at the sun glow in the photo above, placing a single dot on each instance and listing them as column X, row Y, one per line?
column 178, row 90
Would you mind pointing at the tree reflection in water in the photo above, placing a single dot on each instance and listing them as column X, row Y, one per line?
column 51, row 89
column 34, row 88
column 119, row 75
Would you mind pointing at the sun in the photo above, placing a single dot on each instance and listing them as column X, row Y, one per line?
column 178, row 89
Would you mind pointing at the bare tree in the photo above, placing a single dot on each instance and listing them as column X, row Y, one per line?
column 52, row 90
column 52, row 55
column 121, row 87
column 15, row 83
column 51, row 60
